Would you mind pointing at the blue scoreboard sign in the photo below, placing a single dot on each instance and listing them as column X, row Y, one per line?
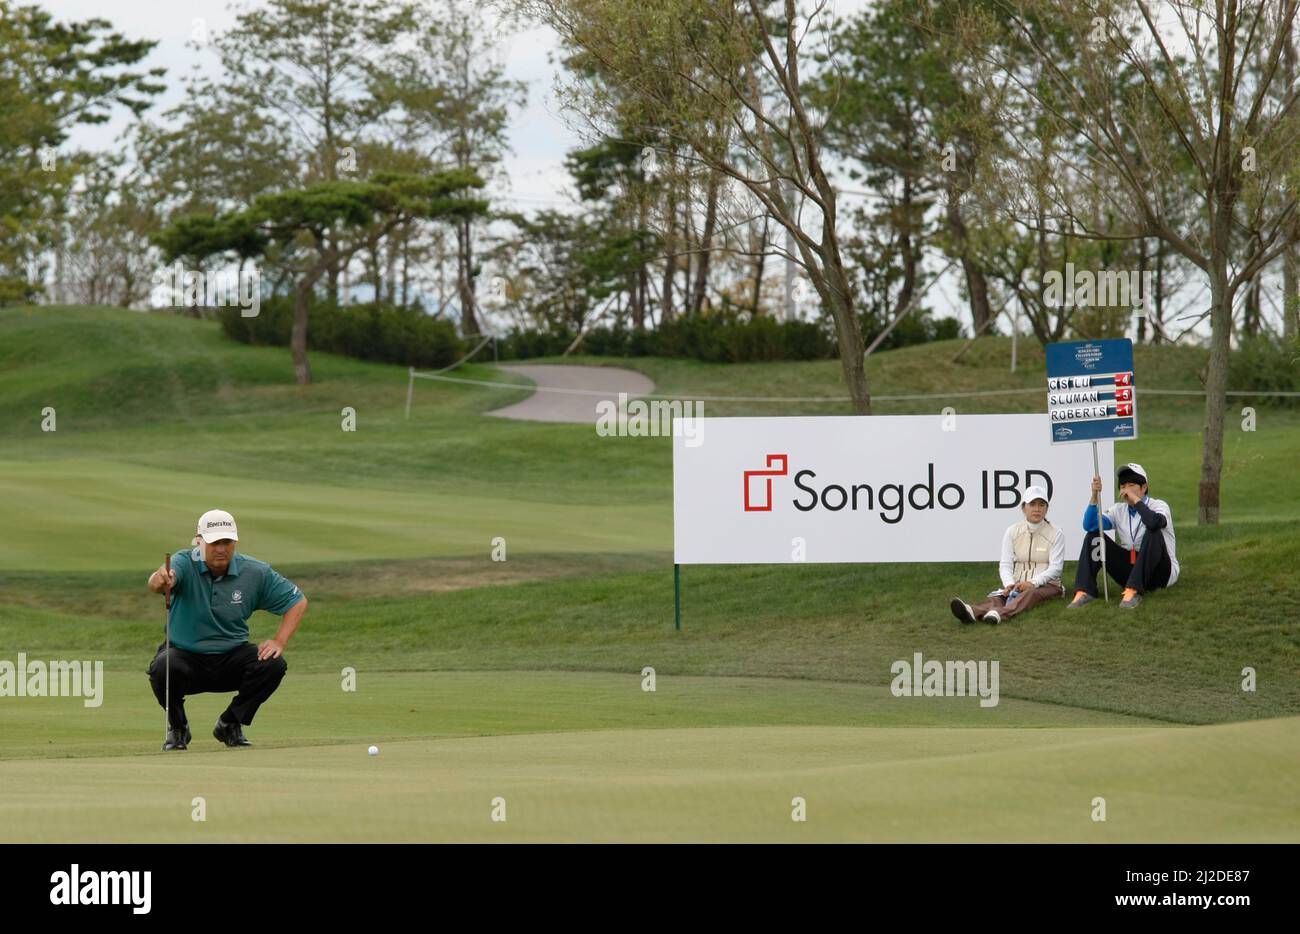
column 1090, row 392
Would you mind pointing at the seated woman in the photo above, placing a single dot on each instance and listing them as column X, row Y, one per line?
column 1033, row 555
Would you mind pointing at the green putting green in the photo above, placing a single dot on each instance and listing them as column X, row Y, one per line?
column 584, row 756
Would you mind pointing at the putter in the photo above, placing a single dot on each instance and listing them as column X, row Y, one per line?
column 167, row 643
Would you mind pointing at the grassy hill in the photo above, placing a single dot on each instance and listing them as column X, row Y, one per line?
column 389, row 530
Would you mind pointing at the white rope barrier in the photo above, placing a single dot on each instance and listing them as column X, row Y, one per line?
column 875, row 398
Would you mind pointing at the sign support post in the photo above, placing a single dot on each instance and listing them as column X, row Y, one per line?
column 1101, row 529
column 677, row 597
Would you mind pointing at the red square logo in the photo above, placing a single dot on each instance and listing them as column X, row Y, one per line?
column 777, row 466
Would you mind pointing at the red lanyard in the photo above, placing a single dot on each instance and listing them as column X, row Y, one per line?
column 1132, row 541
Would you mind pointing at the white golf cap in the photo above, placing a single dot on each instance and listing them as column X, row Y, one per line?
column 216, row 524
column 1132, row 473
column 1035, row 492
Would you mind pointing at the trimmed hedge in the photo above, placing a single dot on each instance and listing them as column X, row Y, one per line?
column 383, row 333
column 712, row 338
column 718, row 338
column 408, row 336
column 1264, row 363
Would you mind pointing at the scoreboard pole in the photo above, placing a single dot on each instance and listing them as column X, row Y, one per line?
column 1101, row 527
column 1082, row 372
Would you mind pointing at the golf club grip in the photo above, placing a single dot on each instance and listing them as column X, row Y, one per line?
column 167, row 587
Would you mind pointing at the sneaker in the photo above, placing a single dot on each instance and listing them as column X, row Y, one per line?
column 961, row 609
column 177, row 739
column 1130, row 601
column 993, row 616
column 230, row 733
column 1081, row 599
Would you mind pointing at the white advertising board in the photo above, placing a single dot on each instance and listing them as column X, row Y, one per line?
column 907, row 488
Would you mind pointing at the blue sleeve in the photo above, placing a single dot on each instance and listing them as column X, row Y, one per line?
column 1090, row 519
column 278, row 594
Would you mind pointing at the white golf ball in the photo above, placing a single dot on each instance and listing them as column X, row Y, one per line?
column 373, row 750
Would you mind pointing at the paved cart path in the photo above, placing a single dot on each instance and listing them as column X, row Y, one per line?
column 583, row 386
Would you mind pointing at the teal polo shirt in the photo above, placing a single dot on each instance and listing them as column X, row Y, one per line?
column 210, row 614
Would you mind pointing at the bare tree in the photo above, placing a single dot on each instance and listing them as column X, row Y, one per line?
column 724, row 81
column 1207, row 76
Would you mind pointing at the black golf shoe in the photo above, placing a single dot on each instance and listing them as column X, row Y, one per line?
column 231, row 734
column 178, row 738
column 961, row 609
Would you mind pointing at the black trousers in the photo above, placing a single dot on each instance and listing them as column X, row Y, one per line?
column 199, row 673
column 1149, row 572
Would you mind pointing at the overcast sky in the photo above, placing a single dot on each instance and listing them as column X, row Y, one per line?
column 538, row 135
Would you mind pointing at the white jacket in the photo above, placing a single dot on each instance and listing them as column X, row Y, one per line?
column 1131, row 531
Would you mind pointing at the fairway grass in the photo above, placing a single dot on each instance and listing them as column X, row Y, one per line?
column 308, row 521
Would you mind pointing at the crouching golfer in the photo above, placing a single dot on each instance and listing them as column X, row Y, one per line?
column 1033, row 554
column 1142, row 560
column 214, row 591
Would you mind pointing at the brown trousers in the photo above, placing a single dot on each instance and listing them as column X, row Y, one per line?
column 1025, row 601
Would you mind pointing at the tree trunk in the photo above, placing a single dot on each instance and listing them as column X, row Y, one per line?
column 906, row 250
column 465, row 279
column 642, row 295
column 976, row 282
column 1216, row 400
column 1253, row 311
column 390, row 272
column 670, row 273
column 760, row 261
column 642, row 289
column 706, row 245
column 670, row 246
column 1146, row 299
column 849, row 335
column 60, row 263
column 298, row 336
column 441, row 249
column 332, row 280
column 406, row 268
column 1159, row 305
column 1290, row 300
column 684, row 267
